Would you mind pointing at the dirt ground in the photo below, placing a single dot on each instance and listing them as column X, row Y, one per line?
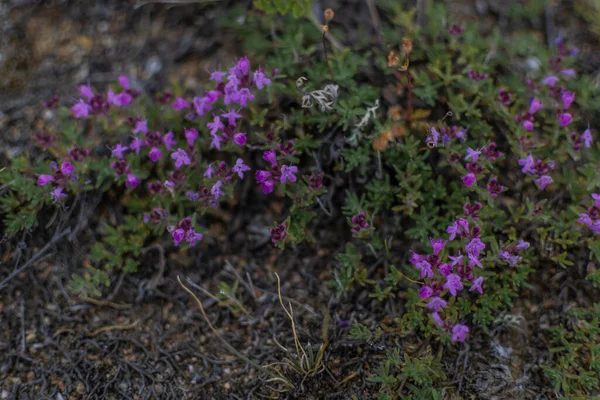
column 148, row 339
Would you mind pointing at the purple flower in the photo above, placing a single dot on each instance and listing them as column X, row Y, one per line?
column 453, row 284
column 141, row 126
column 44, row 179
column 155, row 154
column 550, row 81
column 201, row 105
column 123, row 99
column 359, row 223
column 260, row 80
column 86, row 91
column 596, row 198
column 438, row 320
column 215, row 125
column 215, row 143
column 568, row 98
column 216, row 190
column 543, row 181
column 522, row 245
column 528, row 165
column 445, row 269
column 132, row 181
column 436, row 304
column 169, row 141
column 57, row 194
column 472, row 154
column 245, row 96
column 474, row 247
column 240, row 138
column 528, row 125
column 242, row 67
column 192, row 236
column 583, row 219
column 535, row 106
column 137, row 144
column 459, row 333
column 437, row 245
column 217, row 76
column 212, row 96
column 469, row 179
column 569, row 73
column 476, row 285
column 81, row 109
column 277, row 233
column 191, row 135
column 180, row 157
column 210, row 171
column 267, row 186
column 565, row 119
column 124, row 81
column 118, row 150
column 287, row 173
column 425, row 292
column 67, row 168
column 178, row 235
column 181, row 103
column 586, row 136
column 270, row 156
column 433, row 138
column 240, row 168
column 425, row 267
column 231, row 116
column 453, row 230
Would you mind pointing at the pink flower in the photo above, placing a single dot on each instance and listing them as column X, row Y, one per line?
column 181, row 158
column 169, row 141
column 568, row 98
column 124, row 81
column 565, row 119
column 191, row 135
column 141, row 126
column 476, row 285
column 240, row 138
column 543, row 181
column 437, row 245
column 271, row 157
column 469, row 179
column 453, row 284
column 67, row 168
column 86, row 91
column 528, row 125
column 277, row 233
column 132, row 181
column 535, row 106
column 155, row 154
column 181, row 103
column 459, row 333
column 287, row 173
column 57, row 194
column 240, row 168
column 44, row 179
column 81, row 109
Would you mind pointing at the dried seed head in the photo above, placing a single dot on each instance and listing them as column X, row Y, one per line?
column 324, row 28
column 300, row 83
column 328, row 14
column 380, row 144
column 395, row 113
column 392, row 59
column 407, row 46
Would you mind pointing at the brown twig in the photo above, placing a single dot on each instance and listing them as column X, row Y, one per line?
column 326, row 56
column 112, row 328
column 106, row 303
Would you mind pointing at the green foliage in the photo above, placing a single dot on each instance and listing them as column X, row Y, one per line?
column 297, row 8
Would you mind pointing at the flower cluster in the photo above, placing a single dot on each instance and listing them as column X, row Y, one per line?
column 474, row 169
column 359, row 223
column 61, row 175
column 591, row 218
column 184, row 230
column 538, row 169
column 446, row 134
column 275, row 171
column 98, row 103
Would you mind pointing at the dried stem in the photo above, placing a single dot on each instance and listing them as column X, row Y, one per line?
column 327, row 57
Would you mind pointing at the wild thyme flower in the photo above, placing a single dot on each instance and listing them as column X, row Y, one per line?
column 120, row 166
column 459, row 333
column 201, row 105
column 57, row 194
column 287, row 173
column 287, row 148
column 239, row 168
column 181, row 103
column 477, row 76
column 44, row 179
column 184, row 230
column 140, row 126
column 472, row 210
column 359, row 223
column 181, row 158
column 155, row 187
column 169, row 141
column 550, row 81
column 277, row 233
column 436, row 304
column 271, row 157
column 155, row 154
column 543, row 181
column 473, row 155
column 240, row 138
column 191, row 135
column 476, row 285
column 232, row 115
column 453, row 284
column 494, row 188
column 469, row 179
column 137, row 144
column 132, row 181
column 81, row 109
column 535, row 106
column 266, row 184
column 260, row 80
column 315, row 182
column 568, row 98
column 455, row 29
column 586, row 136
column 118, row 150
column 504, row 97
column 216, row 190
column 156, row 216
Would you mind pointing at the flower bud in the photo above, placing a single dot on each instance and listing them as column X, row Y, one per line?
column 407, row 46
column 328, row 14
